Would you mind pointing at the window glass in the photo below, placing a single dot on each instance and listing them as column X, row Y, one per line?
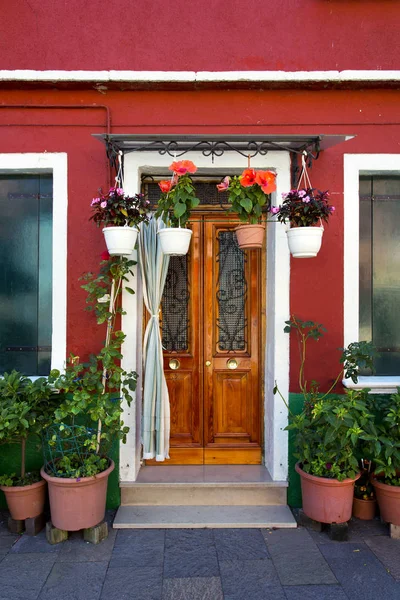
column 26, row 203
column 380, row 269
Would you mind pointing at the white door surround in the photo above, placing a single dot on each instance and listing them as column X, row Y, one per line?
column 276, row 368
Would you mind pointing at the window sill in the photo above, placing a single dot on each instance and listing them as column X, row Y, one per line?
column 377, row 385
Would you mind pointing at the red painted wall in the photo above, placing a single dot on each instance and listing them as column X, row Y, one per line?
column 208, row 35
column 316, row 284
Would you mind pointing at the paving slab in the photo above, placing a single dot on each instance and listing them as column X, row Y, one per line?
column 250, row 580
column 77, row 581
column 133, row 584
column 34, row 544
column 190, row 553
column 387, row 551
column 6, row 543
column 360, row 573
column 193, row 588
column 76, row 549
column 315, row 592
column 22, row 576
column 240, row 544
column 138, row 548
column 297, row 559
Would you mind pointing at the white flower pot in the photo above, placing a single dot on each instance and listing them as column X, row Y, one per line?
column 175, row 241
column 120, row 241
column 304, row 242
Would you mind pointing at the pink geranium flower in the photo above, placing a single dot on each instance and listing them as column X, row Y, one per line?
column 223, row 186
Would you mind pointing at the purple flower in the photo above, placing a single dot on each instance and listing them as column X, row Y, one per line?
column 103, row 204
column 119, row 191
column 306, row 199
column 275, row 210
column 301, row 193
column 284, row 195
column 332, row 208
column 95, row 201
column 328, row 466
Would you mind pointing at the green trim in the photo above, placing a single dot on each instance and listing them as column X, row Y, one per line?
column 294, row 499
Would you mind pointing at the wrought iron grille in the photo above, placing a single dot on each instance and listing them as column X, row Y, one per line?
column 175, row 306
column 206, row 192
column 231, row 294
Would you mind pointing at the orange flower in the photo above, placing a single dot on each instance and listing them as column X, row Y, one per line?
column 248, row 178
column 266, row 181
column 181, row 167
column 165, row 186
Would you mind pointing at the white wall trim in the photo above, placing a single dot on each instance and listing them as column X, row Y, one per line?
column 278, row 268
column 354, row 165
column 56, row 164
column 201, row 76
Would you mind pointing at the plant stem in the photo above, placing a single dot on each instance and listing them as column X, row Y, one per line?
column 23, row 457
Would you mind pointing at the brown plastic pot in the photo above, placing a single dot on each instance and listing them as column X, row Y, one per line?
column 77, row 503
column 250, row 236
column 364, row 509
column 326, row 500
column 27, row 501
column 388, row 497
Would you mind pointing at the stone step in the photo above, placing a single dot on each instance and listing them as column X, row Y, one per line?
column 202, row 494
column 167, row 517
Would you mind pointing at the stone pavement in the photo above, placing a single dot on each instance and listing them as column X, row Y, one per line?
column 203, row 564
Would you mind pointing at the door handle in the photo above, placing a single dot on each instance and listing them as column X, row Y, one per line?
column 231, row 363
column 208, row 363
column 174, row 364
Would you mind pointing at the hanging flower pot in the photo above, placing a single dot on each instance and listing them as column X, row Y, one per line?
column 120, row 241
column 250, row 236
column 304, row 242
column 175, row 241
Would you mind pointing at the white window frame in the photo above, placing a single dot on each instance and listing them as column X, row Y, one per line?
column 54, row 164
column 354, row 166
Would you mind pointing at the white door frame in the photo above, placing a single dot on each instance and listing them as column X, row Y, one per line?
column 276, row 366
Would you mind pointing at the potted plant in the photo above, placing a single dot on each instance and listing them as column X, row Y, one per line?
column 88, row 418
column 304, row 210
column 386, row 478
column 328, row 432
column 177, row 199
column 121, row 214
column 248, row 195
column 364, row 501
column 25, row 408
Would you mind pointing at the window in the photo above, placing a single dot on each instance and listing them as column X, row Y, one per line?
column 26, row 207
column 33, row 267
column 379, row 275
column 372, row 262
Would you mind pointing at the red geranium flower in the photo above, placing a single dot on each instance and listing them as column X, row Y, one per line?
column 105, row 255
column 266, row 181
column 165, row 186
column 181, row 167
column 248, row 178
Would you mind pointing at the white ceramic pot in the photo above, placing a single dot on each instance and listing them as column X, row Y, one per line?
column 175, row 241
column 304, row 242
column 120, row 241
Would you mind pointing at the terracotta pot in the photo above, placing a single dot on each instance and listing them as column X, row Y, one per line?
column 120, row 241
column 77, row 503
column 388, row 497
column 364, row 509
column 250, row 236
column 25, row 502
column 175, row 241
column 304, row 242
column 326, row 500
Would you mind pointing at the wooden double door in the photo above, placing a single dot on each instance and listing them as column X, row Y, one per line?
column 211, row 329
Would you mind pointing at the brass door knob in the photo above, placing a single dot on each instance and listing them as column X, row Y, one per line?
column 208, row 363
column 231, row 363
column 174, row 364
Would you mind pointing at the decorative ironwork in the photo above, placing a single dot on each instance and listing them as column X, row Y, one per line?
column 231, row 294
column 175, row 306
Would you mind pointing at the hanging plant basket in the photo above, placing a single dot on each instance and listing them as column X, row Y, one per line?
column 250, row 236
column 120, row 241
column 175, row 241
column 304, row 242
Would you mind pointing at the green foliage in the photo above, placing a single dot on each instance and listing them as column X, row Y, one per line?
column 14, row 481
column 26, row 407
column 98, row 287
column 356, row 357
column 175, row 206
column 247, row 202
